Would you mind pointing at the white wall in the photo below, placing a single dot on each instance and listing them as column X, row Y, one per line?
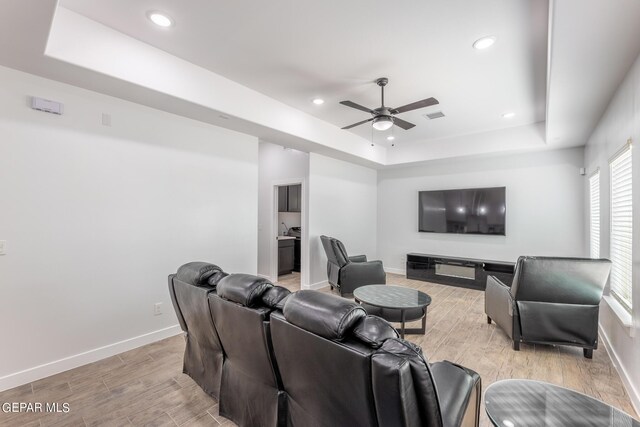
column 342, row 204
column 544, row 199
column 96, row 217
column 291, row 219
column 277, row 166
column 620, row 122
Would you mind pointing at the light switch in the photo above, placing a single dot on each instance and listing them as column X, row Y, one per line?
column 3, row 247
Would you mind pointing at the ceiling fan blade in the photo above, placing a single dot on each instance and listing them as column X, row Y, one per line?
column 415, row 105
column 356, row 106
column 357, row 124
column 403, row 123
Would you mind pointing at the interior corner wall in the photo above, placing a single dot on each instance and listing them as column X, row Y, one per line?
column 95, row 217
column 342, row 204
column 620, row 122
column 544, row 199
column 276, row 165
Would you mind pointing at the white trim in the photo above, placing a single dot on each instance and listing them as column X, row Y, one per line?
column 392, row 270
column 42, row 371
column 620, row 313
column 316, row 286
column 634, row 395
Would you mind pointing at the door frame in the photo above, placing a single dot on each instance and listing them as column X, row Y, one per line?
column 304, row 223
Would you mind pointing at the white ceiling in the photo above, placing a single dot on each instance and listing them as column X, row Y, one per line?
column 278, row 56
column 294, row 51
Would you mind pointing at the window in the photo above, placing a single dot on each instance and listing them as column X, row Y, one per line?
column 621, row 227
column 594, row 213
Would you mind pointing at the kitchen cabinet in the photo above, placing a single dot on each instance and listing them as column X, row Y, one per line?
column 290, row 198
column 296, row 255
column 294, row 198
column 286, row 256
column 283, row 198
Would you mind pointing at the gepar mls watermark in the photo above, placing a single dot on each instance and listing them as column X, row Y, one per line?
column 31, row 407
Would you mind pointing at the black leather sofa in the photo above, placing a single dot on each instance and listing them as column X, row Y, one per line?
column 309, row 358
column 551, row 301
column 346, row 273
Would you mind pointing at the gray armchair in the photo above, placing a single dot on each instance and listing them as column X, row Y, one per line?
column 348, row 273
column 551, row 301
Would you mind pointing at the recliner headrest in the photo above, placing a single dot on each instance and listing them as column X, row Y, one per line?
column 200, row 273
column 244, row 289
column 326, row 315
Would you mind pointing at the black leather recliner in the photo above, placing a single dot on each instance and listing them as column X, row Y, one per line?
column 203, row 355
column 342, row 367
column 348, row 273
column 551, row 301
column 251, row 390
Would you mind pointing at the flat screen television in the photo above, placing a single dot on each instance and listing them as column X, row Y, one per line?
column 467, row 211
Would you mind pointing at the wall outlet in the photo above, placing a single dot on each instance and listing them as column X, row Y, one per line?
column 3, row 247
column 157, row 309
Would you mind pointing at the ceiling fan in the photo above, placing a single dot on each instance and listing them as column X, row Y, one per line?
column 384, row 117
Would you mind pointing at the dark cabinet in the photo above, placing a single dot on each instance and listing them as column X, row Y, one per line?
column 283, row 199
column 290, row 198
column 295, row 198
column 286, row 256
column 296, row 255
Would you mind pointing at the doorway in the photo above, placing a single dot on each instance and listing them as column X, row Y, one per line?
column 290, row 234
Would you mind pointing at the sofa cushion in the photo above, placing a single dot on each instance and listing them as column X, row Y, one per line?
column 198, row 273
column 244, row 289
column 326, row 315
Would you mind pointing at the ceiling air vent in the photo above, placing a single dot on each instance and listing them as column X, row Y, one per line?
column 436, row 115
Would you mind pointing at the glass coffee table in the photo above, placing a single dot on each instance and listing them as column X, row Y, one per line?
column 523, row 403
column 397, row 304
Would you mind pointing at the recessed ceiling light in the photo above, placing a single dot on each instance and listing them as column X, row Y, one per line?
column 391, row 138
column 508, row 115
column 484, row 42
column 160, row 19
column 318, row 101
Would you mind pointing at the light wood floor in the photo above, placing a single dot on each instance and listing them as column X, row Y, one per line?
column 146, row 386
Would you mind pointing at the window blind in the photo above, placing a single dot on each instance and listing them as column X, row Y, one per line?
column 594, row 214
column 621, row 227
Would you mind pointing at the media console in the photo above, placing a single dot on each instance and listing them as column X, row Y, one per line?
column 463, row 272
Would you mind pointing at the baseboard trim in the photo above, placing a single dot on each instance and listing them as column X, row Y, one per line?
column 401, row 271
column 317, row 285
column 634, row 395
column 45, row 370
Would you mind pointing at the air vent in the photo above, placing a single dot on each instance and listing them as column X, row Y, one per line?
column 436, row 115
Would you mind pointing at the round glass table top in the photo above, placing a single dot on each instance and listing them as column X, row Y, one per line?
column 390, row 296
column 523, row 403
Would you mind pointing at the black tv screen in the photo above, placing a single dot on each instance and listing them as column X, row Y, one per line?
column 468, row 211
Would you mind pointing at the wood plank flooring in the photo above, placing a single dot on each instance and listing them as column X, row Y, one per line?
column 145, row 386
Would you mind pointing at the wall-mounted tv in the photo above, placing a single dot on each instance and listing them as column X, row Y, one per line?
column 467, row 211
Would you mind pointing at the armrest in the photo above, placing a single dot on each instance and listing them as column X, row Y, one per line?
column 358, row 258
column 498, row 304
column 459, row 390
column 357, row 274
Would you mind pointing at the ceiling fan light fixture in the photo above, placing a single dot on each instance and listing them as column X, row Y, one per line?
column 382, row 123
column 484, row 42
